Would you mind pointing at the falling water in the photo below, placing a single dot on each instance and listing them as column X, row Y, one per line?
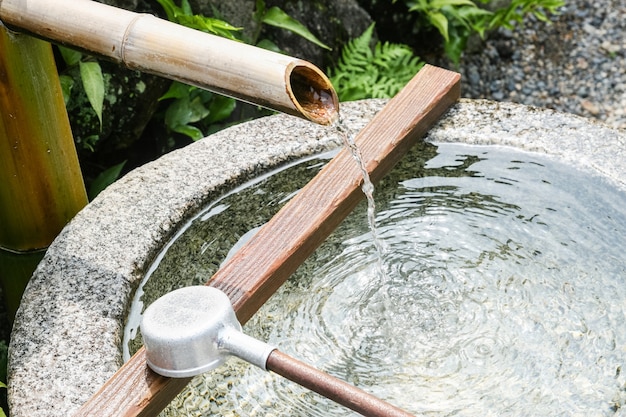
column 347, row 137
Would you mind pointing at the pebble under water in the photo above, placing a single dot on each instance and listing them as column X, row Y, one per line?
column 503, row 293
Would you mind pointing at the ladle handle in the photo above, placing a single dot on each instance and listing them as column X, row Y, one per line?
column 330, row 387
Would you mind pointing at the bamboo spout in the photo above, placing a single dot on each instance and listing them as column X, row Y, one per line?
column 147, row 43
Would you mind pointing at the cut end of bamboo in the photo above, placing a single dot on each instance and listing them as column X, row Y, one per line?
column 312, row 93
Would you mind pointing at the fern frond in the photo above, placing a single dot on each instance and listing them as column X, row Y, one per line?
column 363, row 72
column 357, row 54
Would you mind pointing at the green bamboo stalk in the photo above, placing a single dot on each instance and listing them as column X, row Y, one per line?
column 41, row 186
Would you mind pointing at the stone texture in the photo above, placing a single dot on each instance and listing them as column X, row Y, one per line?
column 66, row 338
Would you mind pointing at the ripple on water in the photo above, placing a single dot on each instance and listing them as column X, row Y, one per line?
column 502, row 293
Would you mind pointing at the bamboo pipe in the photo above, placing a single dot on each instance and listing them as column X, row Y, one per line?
column 42, row 186
column 147, row 43
column 41, row 182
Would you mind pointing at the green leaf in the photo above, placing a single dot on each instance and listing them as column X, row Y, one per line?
column 220, row 108
column 514, row 14
column 70, row 56
column 417, row 6
column 454, row 48
column 259, row 11
column 439, row 21
column 93, row 83
column 189, row 130
column 176, row 90
column 186, row 7
column 190, row 105
column 184, row 15
column 209, row 25
column 67, row 83
column 184, row 111
column 170, row 9
column 106, row 178
column 438, row 4
column 269, row 45
column 88, row 142
column 278, row 18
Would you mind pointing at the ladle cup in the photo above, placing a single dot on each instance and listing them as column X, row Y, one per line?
column 194, row 329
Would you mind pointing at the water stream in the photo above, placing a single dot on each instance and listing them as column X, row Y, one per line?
column 507, row 279
column 347, row 138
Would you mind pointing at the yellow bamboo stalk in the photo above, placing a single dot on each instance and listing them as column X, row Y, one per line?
column 147, row 43
column 41, row 186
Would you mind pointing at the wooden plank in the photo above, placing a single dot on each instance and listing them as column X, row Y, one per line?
column 278, row 248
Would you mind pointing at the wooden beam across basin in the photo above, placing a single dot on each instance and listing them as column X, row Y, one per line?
column 263, row 264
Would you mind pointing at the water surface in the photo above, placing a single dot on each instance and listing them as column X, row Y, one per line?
column 504, row 292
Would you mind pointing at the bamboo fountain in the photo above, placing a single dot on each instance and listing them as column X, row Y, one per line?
column 65, row 354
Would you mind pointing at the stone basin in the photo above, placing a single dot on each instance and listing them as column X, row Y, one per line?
column 66, row 340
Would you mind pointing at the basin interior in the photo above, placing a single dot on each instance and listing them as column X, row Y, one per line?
column 501, row 290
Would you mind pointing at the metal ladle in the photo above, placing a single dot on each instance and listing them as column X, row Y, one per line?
column 194, row 329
